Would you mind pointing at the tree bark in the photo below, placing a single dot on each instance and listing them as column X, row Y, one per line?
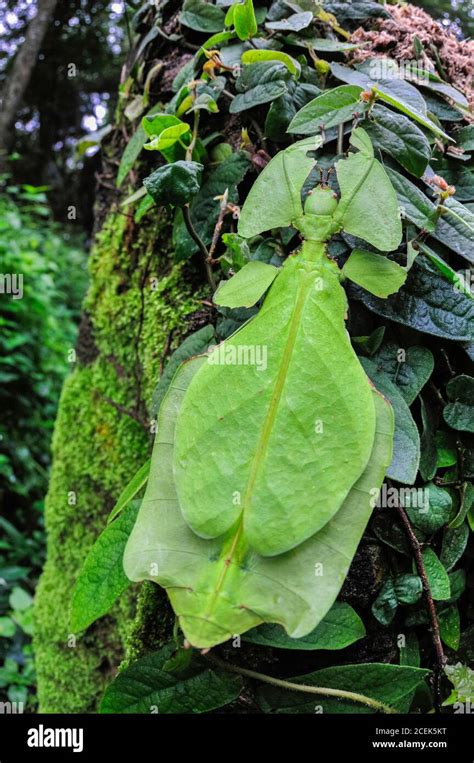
column 20, row 74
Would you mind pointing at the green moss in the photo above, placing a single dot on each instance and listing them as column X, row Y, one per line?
column 97, row 448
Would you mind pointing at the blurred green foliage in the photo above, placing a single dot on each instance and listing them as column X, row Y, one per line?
column 37, row 334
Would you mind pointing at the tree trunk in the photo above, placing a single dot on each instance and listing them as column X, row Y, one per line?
column 20, row 73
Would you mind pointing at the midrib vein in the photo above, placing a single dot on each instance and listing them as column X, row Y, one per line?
column 262, row 445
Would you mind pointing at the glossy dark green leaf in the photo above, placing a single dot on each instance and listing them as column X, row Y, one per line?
column 282, row 111
column 341, row 627
column 437, row 576
column 175, row 183
column 149, row 687
column 428, row 452
column 293, row 23
column 258, row 83
column 450, row 626
column 466, row 501
column 204, row 207
column 395, row 91
column 408, row 588
column 434, row 511
column 455, row 227
column 465, row 138
column 400, row 137
column 391, row 684
column 410, row 651
column 386, row 603
column 428, row 303
column 202, row 16
column 102, row 579
column 359, row 10
column 459, row 413
column 454, row 544
column 391, row 532
column 408, row 368
column 329, row 109
column 406, row 446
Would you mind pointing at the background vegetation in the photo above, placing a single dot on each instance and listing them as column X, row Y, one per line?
column 52, row 172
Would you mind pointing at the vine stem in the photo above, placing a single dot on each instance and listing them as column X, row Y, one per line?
column 319, row 690
column 202, row 247
column 435, row 633
column 192, row 145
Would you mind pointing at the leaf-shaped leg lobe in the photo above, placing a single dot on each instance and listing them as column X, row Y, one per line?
column 277, row 444
column 220, row 587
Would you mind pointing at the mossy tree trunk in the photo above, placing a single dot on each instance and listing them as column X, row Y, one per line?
column 137, row 302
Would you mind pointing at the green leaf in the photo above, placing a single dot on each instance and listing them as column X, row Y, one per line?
column 465, row 138
column 391, row 684
column 167, row 138
column 373, row 272
column 308, row 346
column 437, row 576
column 195, row 344
column 149, row 687
column 175, row 183
column 368, row 206
column 429, row 455
column 129, row 492
column 294, row 23
column 323, row 45
column 102, row 579
column 459, row 413
column 244, row 19
column 467, row 500
column 202, row 16
column 7, row 627
column 327, row 110
column 132, row 150
column 428, row 303
column 259, row 83
column 454, row 228
column 434, row 513
column 341, row 627
column 204, row 207
column 394, row 91
column 263, row 55
column 399, row 137
column 415, row 205
column 450, row 627
column 454, row 544
column 386, row 603
column 20, row 599
column 408, row 588
column 462, row 678
column 282, row 181
column 410, row 651
column 446, row 454
column 246, row 287
column 409, row 368
column 284, row 108
column 281, row 589
column 406, row 446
